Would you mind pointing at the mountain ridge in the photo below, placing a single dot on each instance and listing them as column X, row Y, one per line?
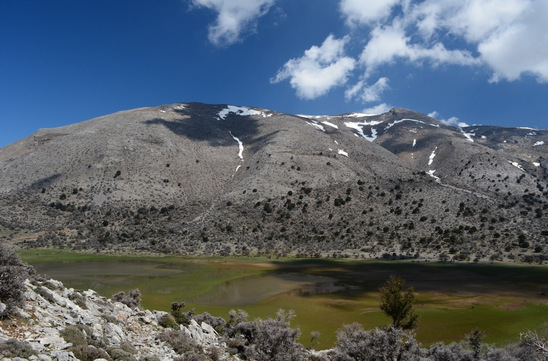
column 194, row 178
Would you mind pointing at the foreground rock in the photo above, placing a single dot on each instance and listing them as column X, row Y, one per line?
column 52, row 314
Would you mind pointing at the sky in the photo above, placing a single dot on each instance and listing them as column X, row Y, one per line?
column 460, row 61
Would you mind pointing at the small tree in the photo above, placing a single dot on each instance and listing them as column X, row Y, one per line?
column 397, row 302
column 13, row 272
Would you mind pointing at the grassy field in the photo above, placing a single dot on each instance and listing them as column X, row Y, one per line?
column 452, row 299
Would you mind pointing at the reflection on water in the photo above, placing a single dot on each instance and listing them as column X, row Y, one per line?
column 108, row 276
column 251, row 290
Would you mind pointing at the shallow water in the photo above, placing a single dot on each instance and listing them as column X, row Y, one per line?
column 102, row 276
column 327, row 295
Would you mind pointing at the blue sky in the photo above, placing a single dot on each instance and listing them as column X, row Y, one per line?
column 469, row 61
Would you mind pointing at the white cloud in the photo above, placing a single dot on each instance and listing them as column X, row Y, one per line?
column 319, row 69
column 520, row 48
column 378, row 109
column 363, row 12
column 478, row 19
column 366, row 93
column 509, row 35
column 388, row 43
column 233, row 17
column 505, row 38
column 454, row 121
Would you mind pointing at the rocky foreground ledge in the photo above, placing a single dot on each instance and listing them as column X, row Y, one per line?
column 53, row 313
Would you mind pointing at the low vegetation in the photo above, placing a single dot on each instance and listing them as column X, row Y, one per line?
column 274, row 339
column 12, row 274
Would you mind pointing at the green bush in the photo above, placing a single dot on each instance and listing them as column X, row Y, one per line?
column 168, row 321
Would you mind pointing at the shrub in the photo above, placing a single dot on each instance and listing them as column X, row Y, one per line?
column 13, row 272
column 14, row 348
column 275, row 340
column 451, row 352
column 89, row 353
column 218, row 323
column 235, row 318
column 355, row 344
column 74, row 335
column 168, row 321
column 178, row 340
column 132, row 300
column 121, row 355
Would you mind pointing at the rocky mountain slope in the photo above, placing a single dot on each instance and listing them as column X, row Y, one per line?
column 217, row 179
column 58, row 323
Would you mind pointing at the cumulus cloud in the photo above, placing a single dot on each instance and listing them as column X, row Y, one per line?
column 505, row 38
column 364, row 12
column 521, row 47
column 319, row 69
column 454, row 121
column 233, row 17
column 378, row 109
column 390, row 43
column 367, row 93
column 509, row 36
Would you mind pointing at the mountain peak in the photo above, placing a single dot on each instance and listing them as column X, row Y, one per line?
column 225, row 179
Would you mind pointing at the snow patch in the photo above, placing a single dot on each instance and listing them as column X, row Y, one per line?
column 242, row 111
column 431, row 174
column 342, row 152
column 317, row 125
column 312, row 116
column 432, row 156
column 240, row 146
column 483, row 137
column 390, row 125
column 358, row 126
column 330, row 124
column 162, row 111
column 468, row 135
column 414, row 142
column 179, row 107
column 541, row 142
column 238, row 167
column 536, row 164
column 358, row 115
column 516, row 164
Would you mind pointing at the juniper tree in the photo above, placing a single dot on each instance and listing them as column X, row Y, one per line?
column 397, row 303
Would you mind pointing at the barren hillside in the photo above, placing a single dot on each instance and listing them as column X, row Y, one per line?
column 217, row 179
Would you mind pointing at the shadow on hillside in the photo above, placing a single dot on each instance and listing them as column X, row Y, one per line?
column 201, row 122
column 44, row 182
column 450, row 278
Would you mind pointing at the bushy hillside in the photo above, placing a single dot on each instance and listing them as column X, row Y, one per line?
column 218, row 180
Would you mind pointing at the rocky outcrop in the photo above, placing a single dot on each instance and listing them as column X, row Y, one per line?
column 53, row 315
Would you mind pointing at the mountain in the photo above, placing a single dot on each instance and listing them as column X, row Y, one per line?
column 220, row 179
